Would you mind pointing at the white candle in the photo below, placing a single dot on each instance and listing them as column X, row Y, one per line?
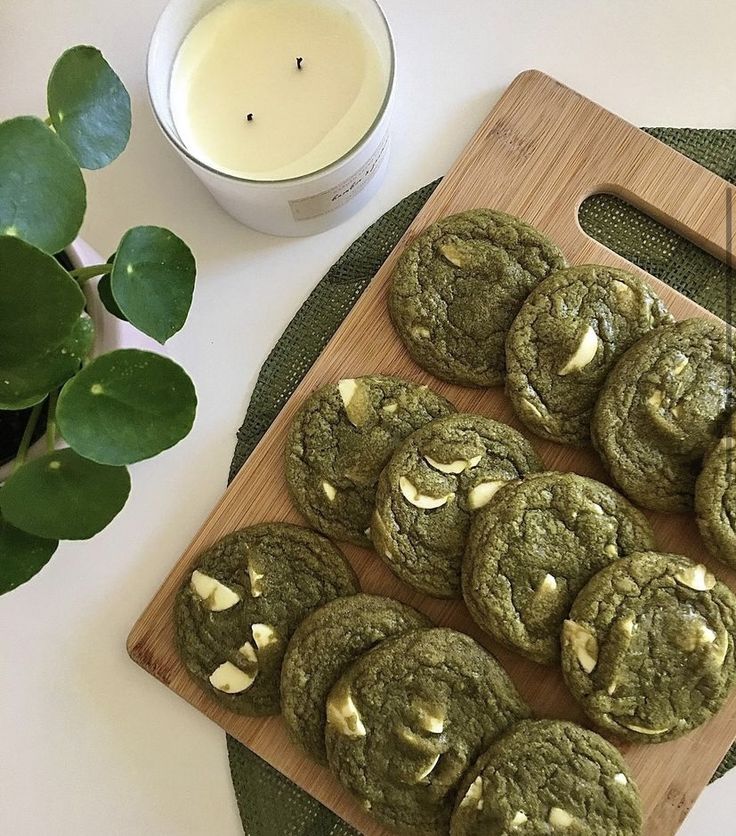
column 241, row 58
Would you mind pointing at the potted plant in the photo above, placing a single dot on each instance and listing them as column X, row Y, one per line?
column 96, row 410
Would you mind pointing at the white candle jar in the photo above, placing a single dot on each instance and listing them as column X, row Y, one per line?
column 296, row 206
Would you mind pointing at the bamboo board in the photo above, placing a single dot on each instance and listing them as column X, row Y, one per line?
column 540, row 153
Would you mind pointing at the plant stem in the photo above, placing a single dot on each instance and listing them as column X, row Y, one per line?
column 82, row 274
column 25, row 441
column 51, row 422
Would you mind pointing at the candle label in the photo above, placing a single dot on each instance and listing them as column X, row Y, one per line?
column 315, row 205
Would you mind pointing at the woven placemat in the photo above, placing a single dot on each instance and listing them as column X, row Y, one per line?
column 269, row 804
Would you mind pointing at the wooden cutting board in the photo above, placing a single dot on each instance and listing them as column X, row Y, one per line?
column 540, row 153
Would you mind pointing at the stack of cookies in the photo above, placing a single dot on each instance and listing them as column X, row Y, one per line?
column 421, row 723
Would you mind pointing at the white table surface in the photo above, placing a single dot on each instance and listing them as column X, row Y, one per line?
column 90, row 743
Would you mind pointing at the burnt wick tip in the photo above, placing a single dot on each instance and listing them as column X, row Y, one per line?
column 299, row 63
column 249, row 117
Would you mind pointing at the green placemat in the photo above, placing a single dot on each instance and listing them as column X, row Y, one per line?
column 269, row 804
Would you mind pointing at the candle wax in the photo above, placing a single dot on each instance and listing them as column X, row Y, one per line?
column 241, row 59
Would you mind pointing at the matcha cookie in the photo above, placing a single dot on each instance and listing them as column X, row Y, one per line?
column 430, row 488
column 715, row 498
column 321, row 649
column 236, row 611
column 567, row 336
column 341, row 439
column 548, row 776
column 662, row 406
column 533, row 549
column 406, row 721
column 648, row 648
column 458, row 287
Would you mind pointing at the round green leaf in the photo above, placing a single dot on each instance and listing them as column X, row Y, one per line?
column 42, row 193
column 89, row 106
column 152, row 280
column 108, row 300
column 28, row 383
column 39, row 302
column 63, row 496
column 126, row 406
column 21, row 555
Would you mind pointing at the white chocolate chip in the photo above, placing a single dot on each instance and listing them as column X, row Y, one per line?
column 263, row 635
column 679, row 367
column 230, row 679
column 560, row 818
column 727, row 443
column 596, row 508
column 249, row 652
column 549, row 584
column 427, row 771
column 644, row 730
column 216, row 595
column 474, row 795
column 627, row 625
column 355, row 400
column 530, row 406
column 622, row 289
column 583, row 643
column 256, row 588
column 458, row 466
column 419, row 500
column 347, row 389
column 696, row 577
column 330, row 491
column 431, row 722
column 420, row 332
column 584, row 353
column 720, row 649
column 611, row 550
column 519, row 819
column 620, row 778
column 343, row 714
column 391, row 407
column 655, row 399
column 453, row 254
column 482, row 494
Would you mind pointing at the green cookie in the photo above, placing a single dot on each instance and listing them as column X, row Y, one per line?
column 320, row 650
column 535, row 546
column 715, row 498
column 648, row 648
column 340, row 441
column 235, row 613
column 428, row 492
column 660, row 409
column 458, row 287
column 567, row 336
column 548, row 776
column 408, row 719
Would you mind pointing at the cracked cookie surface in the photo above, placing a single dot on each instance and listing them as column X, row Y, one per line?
column 569, row 333
column 547, row 776
column 340, row 441
column 406, row 721
column 458, row 286
column 535, row 546
column 434, row 482
column 246, row 595
column 663, row 404
column 648, row 649
column 323, row 647
column 715, row 497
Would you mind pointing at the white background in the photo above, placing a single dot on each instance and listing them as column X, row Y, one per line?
column 90, row 743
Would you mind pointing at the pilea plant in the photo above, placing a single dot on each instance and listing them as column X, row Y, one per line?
column 111, row 410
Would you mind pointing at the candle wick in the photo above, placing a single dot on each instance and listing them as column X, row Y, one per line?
column 249, row 117
column 299, row 63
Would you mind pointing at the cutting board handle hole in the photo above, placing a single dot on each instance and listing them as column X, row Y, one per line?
column 650, row 245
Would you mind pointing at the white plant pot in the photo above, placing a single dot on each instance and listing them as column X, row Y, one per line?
column 110, row 332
